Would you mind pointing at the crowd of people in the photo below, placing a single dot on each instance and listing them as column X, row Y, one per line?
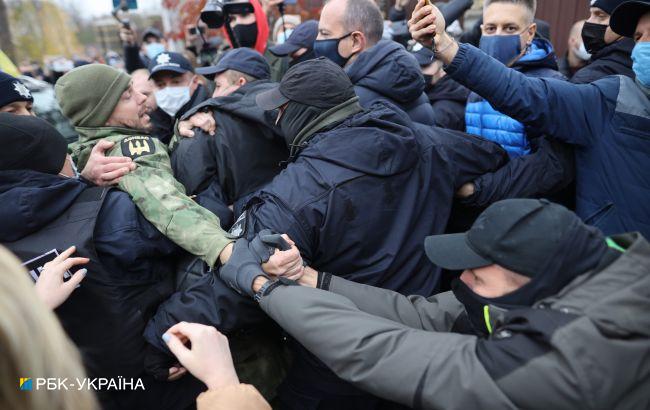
column 360, row 212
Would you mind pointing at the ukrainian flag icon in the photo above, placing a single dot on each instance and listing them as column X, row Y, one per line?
column 25, row 383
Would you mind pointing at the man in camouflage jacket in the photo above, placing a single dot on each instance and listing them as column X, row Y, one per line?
column 102, row 104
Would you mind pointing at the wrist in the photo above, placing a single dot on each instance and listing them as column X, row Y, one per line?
column 309, row 278
column 259, row 282
column 217, row 382
column 446, row 47
column 224, row 256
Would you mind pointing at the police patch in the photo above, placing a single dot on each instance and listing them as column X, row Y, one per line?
column 137, row 146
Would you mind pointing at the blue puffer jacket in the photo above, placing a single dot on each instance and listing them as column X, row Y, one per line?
column 386, row 71
column 607, row 122
column 482, row 119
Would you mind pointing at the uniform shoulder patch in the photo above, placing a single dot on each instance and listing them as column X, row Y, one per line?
column 137, row 146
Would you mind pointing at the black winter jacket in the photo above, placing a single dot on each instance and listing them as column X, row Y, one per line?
column 615, row 59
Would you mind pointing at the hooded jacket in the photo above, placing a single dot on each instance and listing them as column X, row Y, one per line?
column 586, row 347
column 607, row 122
column 483, row 120
column 614, row 59
column 386, row 71
column 243, row 155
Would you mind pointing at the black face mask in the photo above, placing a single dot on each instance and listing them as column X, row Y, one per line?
column 295, row 117
column 246, row 34
column 475, row 305
column 593, row 35
column 309, row 55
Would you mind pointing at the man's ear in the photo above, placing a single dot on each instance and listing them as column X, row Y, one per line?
column 241, row 81
column 532, row 30
column 358, row 42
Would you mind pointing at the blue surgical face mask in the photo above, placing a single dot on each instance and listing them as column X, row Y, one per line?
column 503, row 48
column 641, row 60
column 172, row 99
column 153, row 49
column 330, row 49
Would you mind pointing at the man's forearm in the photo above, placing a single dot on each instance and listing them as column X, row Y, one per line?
column 372, row 352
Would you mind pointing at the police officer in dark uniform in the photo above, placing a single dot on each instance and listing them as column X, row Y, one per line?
column 45, row 209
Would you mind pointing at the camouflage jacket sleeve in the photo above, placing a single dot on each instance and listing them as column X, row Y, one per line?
column 163, row 202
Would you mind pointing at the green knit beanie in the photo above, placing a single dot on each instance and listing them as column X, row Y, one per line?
column 88, row 94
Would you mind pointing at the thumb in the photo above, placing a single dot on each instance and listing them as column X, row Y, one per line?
column 103, row 145
column 179, row 349
column 76, row 278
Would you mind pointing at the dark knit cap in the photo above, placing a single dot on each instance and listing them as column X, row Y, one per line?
column 12, row 90
column 317, row 83
column 88, row 94
column 608, row 6
column 29, row 142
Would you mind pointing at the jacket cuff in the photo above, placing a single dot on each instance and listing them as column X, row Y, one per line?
column 457, row 65
column 324, row 280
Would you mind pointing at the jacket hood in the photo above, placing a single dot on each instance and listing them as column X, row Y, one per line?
column 30, row 200
column 241, row 103
column 388, row 69
column 541, row 55
column 379, row 142
column 262, row 28
column 616, row 298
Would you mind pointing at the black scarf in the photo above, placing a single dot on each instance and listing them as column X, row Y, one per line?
column 578, row 253
column 295, row 118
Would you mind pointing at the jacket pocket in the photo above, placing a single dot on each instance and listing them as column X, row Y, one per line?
column 636, row 133
column 600, row 214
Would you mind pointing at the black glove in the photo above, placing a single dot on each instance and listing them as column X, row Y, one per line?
column 242, row 268
column 265, row 243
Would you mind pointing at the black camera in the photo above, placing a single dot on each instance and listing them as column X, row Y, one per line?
column 216, row 12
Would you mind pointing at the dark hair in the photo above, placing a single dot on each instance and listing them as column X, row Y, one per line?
column 531, row 5
column 364, row 16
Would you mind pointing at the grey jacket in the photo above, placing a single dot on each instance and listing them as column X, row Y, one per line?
column 588, row 347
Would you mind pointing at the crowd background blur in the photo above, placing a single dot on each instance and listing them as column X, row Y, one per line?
column 42, row 40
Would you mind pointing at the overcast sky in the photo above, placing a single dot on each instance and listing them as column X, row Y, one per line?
column 94, row 8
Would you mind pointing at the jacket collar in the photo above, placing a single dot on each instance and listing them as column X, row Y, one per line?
column 326, row 119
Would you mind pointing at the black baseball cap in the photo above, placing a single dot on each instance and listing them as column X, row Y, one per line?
column 626, row 17
column 303, row 36
column 169, row 61
column 245, row 60
column 518, row 234
column 318, row 82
